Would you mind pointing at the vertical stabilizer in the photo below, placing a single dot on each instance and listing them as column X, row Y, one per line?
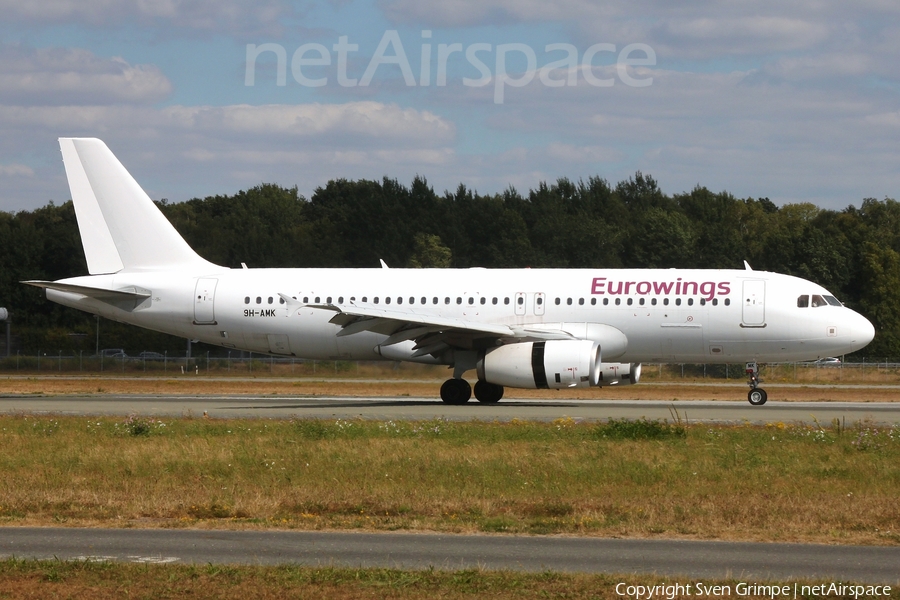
column 120, row 226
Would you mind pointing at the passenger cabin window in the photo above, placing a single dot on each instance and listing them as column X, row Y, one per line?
column 506, row 301
column 803, row 301
column 483, row 300
column 471, row 300
column 258, row 300
column 247, row 300
column 520, row 301
column 557, row 301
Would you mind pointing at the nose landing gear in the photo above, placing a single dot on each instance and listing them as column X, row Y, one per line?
column 756, row 396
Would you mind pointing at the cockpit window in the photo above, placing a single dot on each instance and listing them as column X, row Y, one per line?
column 817, row 300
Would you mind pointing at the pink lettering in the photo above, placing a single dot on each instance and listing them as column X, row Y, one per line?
column 662, row 287
column 706, row 289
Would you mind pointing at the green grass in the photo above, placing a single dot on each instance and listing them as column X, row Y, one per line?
column 620, row 478
column 102, row 580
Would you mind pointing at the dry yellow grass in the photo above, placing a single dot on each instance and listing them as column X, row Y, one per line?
column 778, row 483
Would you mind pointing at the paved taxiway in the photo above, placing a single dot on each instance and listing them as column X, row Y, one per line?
column 696, row 559
column 428, row 408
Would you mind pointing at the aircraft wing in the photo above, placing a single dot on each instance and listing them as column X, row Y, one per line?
column 431, row 333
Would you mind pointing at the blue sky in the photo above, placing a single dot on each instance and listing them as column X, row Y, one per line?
column 798, row 102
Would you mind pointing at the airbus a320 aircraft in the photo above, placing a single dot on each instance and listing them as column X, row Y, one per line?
column 520, row 328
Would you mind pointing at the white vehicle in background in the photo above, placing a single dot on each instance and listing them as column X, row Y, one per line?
column 522, row 328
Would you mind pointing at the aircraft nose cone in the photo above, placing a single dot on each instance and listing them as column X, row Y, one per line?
column 864, row 332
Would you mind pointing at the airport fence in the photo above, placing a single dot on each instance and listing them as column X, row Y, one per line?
column 882, row 371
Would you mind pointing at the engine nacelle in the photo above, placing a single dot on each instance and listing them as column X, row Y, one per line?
column 551, row 364
column 620, row 373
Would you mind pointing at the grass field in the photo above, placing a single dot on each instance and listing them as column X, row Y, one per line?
column 635, row 479
column 99, row 581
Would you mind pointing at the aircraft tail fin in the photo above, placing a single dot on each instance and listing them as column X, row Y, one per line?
column 120, row 226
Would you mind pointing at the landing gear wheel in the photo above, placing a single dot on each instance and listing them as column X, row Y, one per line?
column 456, row 391
column 488, row 393
column 757, row 396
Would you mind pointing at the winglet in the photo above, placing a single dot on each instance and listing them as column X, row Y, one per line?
column 747, row 266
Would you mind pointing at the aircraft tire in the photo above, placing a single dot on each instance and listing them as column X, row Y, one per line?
column 456, row 391
column 757, row 397
column 488, row 393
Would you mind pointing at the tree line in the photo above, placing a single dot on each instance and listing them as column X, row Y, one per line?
column 854, row 252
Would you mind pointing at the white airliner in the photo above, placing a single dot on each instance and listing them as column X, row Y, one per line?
column 521, row 328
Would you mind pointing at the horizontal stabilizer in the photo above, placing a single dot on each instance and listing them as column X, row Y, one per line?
column 102, row 294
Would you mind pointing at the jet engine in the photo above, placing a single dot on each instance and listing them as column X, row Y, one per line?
column 552, row 364
column 620, row 373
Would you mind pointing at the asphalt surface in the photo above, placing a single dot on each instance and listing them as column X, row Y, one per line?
column 712, row 411
column 749, row 562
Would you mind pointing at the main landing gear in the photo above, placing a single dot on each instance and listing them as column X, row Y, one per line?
column 756, row 396
column 458, row 391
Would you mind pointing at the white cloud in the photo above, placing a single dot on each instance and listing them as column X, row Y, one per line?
column 183, row 151
column 16, row 171
column 386, row 123
column 207, row 15
column 63, row 76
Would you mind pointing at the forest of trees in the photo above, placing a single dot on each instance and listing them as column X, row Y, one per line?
column 854, row 252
